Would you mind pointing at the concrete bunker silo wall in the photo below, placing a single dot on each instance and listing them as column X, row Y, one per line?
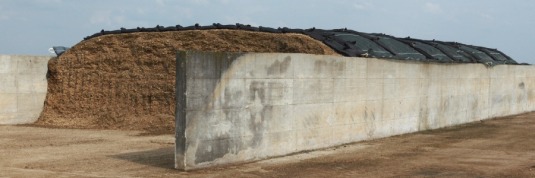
column 242, row 107
column 23, row 88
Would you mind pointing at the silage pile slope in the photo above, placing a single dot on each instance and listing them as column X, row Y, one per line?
column 126, row 81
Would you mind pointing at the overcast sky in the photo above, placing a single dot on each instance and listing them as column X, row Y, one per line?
column 33, row 26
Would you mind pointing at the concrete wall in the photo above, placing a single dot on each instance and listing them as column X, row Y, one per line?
column 235, row 108
column 23, row 88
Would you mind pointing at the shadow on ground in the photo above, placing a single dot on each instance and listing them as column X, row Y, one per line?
column 162, row 157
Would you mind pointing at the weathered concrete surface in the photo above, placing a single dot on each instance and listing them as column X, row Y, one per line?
column 242, row 107
column 23, row 88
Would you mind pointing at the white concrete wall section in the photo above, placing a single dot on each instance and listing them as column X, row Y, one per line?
column 243, row 107
column 23, row 88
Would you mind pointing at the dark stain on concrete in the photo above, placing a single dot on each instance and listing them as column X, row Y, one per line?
column 257, row 88
column 259, row 112
column 423, row 123
column 338, row 67
column 278, row 67
column 212, row 150
column 444, row 110
column 319, row 66
column 369, row 120
column 232, row 98
column 256, row 122
column 521, row 85
column 257, row 127
column 332, row 67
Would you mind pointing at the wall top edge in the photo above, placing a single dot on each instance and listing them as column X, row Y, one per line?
column 342, row 57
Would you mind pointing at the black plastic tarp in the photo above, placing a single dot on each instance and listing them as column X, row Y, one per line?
column 366, row 46
column 357, row 44
column 428, row 50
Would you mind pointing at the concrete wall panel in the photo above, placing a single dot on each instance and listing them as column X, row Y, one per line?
column 246, row 107
column 23, row 87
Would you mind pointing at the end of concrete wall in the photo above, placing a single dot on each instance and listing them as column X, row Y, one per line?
column 23, row 87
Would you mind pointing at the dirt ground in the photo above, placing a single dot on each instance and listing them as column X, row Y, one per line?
column 503, row 147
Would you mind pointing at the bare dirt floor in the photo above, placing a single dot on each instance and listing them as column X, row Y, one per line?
column 503, row 147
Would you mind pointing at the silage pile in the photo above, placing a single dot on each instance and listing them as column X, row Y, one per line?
column 127, row 81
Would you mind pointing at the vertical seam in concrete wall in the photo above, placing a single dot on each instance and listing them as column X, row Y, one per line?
column 17, row 77
column 293, row 100
column 489, row 93
column 180, row 110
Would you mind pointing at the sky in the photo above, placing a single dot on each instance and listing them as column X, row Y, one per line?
column 33, row 26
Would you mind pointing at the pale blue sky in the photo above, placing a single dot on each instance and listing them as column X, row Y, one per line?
column 33, row 26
